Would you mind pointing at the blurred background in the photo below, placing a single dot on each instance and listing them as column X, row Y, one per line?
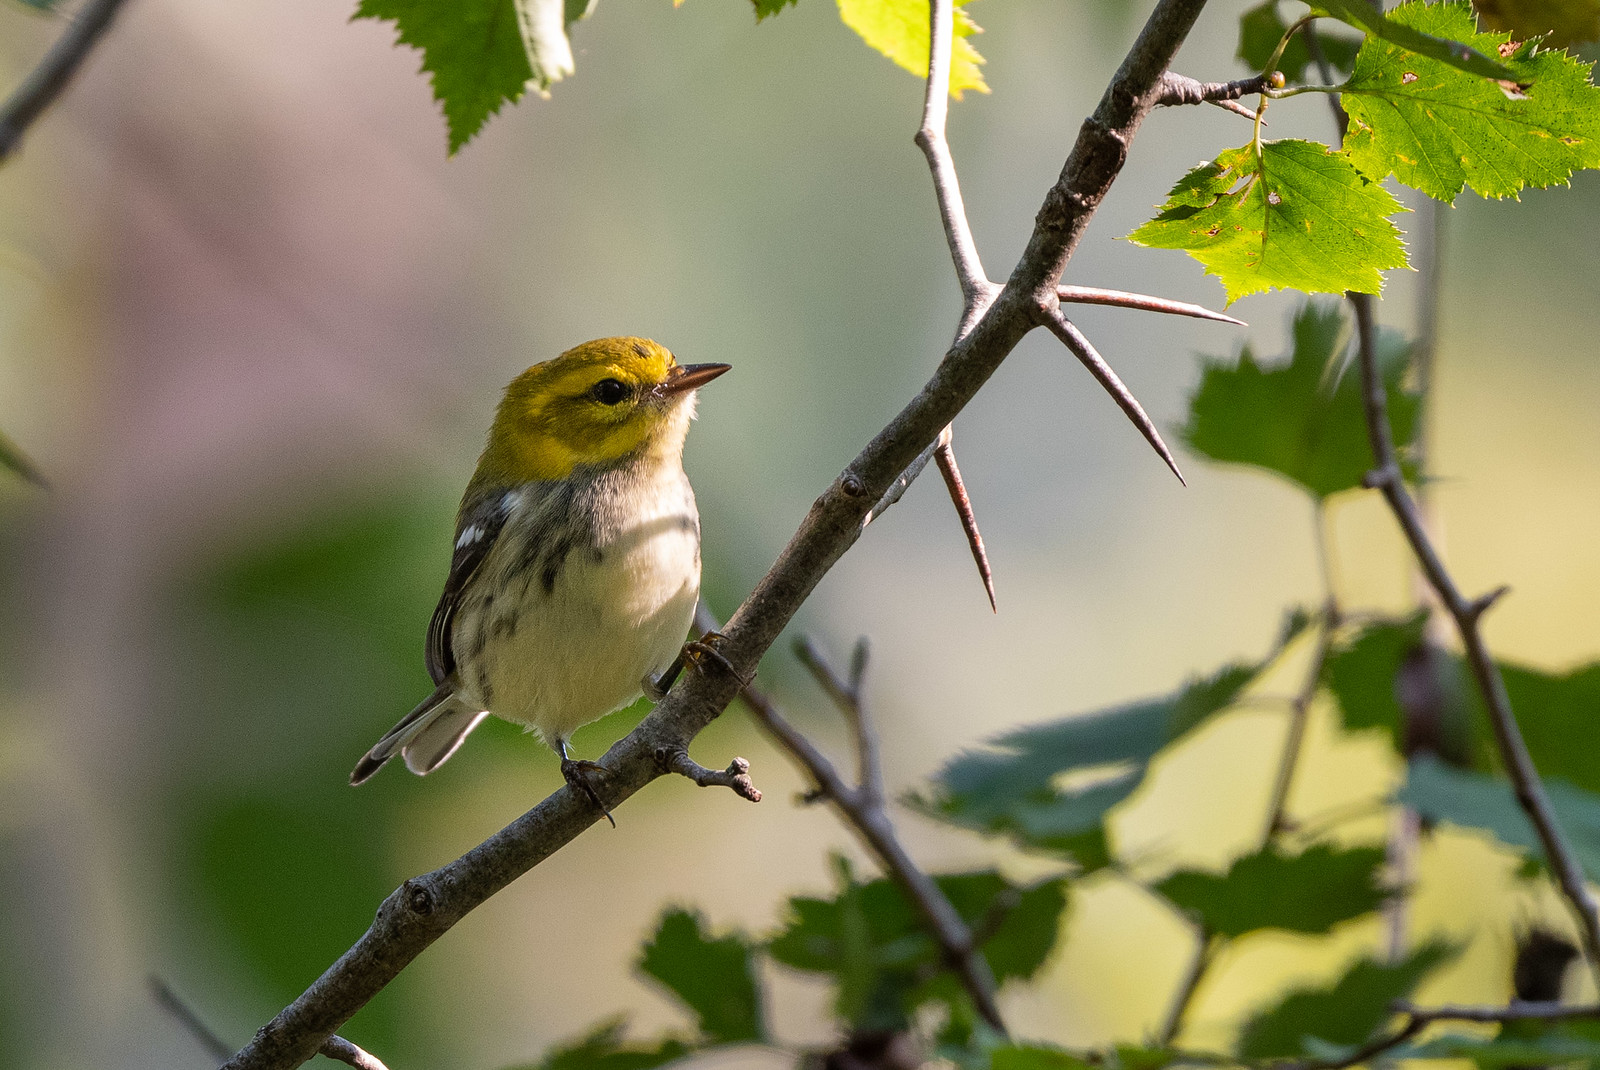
column 252, row 326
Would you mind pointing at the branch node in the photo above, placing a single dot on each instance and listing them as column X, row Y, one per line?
column 736, row 777
column 851, row 486
column 418, row 899
column 1382, row 477
column 1481, row 604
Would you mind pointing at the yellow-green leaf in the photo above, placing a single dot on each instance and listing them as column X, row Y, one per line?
column 1437, row 128
column 899, row 29
column 1299, row 217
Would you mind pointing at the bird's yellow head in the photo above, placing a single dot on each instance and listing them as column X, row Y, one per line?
column 597, row 404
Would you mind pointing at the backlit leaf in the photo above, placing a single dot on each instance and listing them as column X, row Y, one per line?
column 714, row 977
column 1299, row 217
column 1440, row 45
column 1307, row 893
column 1437, row 128
column 605, row 1049
column 1479, row 801
column 482, row 54
column 1262, row 27
column 1302, row 419
column 1014, row 787
column 1344, row 1013
column 875, row 946
column 899, row 29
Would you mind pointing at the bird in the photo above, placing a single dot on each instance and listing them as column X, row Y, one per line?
column 576, row 562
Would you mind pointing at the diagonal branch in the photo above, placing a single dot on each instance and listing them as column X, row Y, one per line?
column 1466, row 614
column 424, row 908
column 47, row 81
column 1081, row 347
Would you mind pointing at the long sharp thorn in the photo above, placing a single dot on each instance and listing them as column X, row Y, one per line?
column 1095, row 295
column 1235, row 107
column 1075, row 340
column 945, row 455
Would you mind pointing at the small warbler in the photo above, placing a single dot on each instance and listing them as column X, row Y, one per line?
column 577, row 556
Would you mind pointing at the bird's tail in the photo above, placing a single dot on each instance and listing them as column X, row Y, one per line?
column 426, row 736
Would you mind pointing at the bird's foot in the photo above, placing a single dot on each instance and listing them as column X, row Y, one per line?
column 697, row 651
column 582, row 776
column 693, row 652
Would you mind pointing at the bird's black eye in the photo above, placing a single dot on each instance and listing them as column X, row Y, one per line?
column 609, row 391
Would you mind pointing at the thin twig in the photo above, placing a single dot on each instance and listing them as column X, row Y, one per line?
column 1466, row 613
column 1081, row 347
column 424, row 908
column 53, row 74
column 1098, row 295
column 975, row 285
column 335, row 1047
column 174, row 1005
column 1299, row 715
column 736, row 777
column 1515, row 1011
column 864, row 808
column 1178, row 89
column 945, row 454
column 1205, row 953
column 846, row 694
column 1419, row 1018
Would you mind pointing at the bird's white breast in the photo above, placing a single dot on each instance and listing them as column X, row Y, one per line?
column 578, row 626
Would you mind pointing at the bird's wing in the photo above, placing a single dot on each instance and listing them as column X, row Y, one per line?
column 477, row 530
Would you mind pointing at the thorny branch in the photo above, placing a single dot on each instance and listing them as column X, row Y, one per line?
column 1466, row 614
column 47, row 81
column 425, row 907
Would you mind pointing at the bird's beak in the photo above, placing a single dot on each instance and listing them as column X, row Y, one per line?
column 685, row 377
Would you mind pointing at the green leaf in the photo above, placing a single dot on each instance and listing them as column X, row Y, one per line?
column 483, row 53
column 1033, row 1057
column 1345, row 1013
column 1302, row 419
column 1262, row 27
column 1014, row 788
column 1306, row 893
column 1553, row 1046
column 604, row 1049
column 1557, row 713
column 1299, row 217
column 873, row 943
column 1560, row 22
column 766, row 8
column 899, row 29
column 1420, row 40
column 1438, row 129
column 14, row 460
column 1479, row 801
column 715, row 978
